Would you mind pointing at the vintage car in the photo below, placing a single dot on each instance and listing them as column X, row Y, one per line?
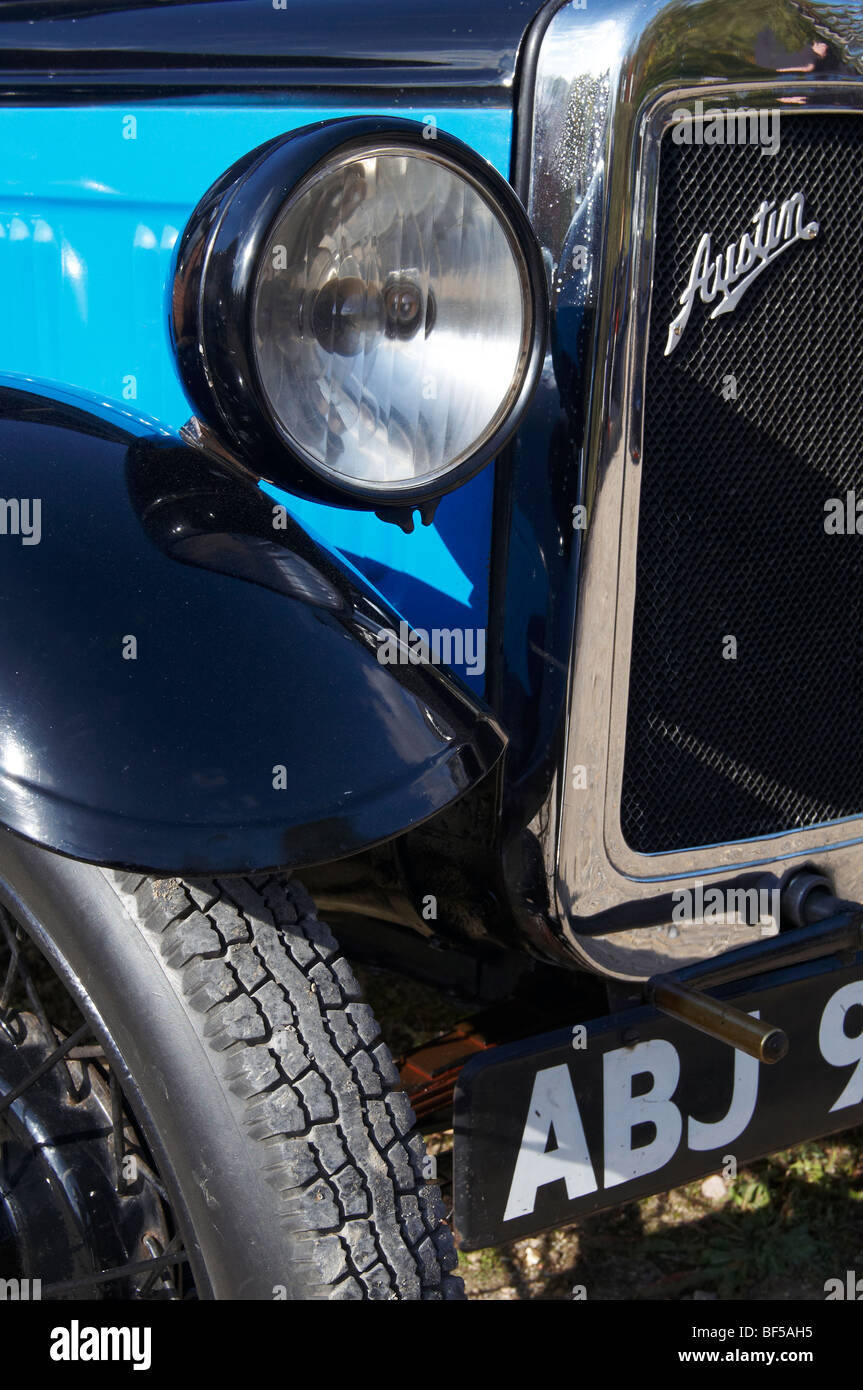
column 429, row 443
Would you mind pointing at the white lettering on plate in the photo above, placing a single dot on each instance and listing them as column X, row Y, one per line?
column 554, row 1144
column 836, row 1046
column 716, row 1133
column 553, row 1108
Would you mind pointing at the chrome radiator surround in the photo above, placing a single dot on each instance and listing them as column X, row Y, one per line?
column 608, row 77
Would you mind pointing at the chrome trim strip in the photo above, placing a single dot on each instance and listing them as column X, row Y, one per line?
column 609, row 74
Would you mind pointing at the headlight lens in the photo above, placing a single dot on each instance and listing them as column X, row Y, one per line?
column 359, row 313
column 389, row 318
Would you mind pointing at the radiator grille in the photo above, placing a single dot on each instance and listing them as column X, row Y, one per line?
column 731, row 537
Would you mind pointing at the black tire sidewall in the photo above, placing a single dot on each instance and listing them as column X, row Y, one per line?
column 227, row 1212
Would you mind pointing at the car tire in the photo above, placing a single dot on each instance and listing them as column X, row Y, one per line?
column 256, row 1072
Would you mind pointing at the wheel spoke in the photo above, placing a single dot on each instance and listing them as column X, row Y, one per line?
column 13, row 938
column 173, row 1244
column 112, row 1276
column 12, row 971
column 83, row 1074
column 150, row 1177
column 118, row 1135
column 50, row 1061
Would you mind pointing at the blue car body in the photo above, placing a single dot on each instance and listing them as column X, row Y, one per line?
column 93, row 201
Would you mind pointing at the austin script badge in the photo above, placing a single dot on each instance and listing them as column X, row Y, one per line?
column 728, row 277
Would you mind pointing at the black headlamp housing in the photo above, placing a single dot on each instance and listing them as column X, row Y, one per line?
column 213, row 292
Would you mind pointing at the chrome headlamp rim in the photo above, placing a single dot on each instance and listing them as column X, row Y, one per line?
column 213, row 302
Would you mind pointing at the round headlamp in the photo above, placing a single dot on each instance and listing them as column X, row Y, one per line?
column 359, row 312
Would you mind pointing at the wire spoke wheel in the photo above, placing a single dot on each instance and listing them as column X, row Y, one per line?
column 82, row 1207
column 195, row 1100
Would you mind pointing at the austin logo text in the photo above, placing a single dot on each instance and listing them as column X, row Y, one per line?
column 727, row 277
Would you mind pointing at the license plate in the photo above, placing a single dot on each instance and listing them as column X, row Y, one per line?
column 557, row 1126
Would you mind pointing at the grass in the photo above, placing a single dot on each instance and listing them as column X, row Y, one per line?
column 783, row 1227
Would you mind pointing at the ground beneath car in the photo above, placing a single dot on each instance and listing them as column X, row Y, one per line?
column 779, row 1231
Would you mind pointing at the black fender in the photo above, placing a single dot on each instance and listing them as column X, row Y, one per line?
column 255, row 649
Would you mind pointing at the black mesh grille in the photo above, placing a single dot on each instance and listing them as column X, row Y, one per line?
column 731, row 538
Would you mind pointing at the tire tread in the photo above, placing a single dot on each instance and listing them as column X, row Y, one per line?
column 314, row 1087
